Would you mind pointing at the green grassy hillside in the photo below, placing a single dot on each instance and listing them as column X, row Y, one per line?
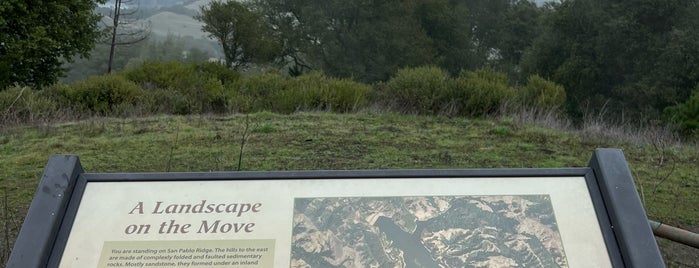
column 666, row 175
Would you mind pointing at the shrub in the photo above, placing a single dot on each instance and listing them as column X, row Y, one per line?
column 166, row 101
column 481, row 92
column 346, row 95
column 218, row 71
column 167, row 75
column 208, row 97
column 201, row 85
column 418, row 89
column 99, row 94
column 238, row 102
column 542, row 94
column 685, row 115
column 301, row 93
column 315, row 91
column 213, row 99
column 255, row 93
column 25, row 105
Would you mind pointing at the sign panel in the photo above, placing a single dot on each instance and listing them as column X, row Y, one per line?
column 572, row 217
column 444, row 222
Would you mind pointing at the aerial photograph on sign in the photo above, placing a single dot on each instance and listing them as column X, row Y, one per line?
column 426, row 231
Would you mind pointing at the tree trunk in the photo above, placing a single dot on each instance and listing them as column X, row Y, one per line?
column 117, row 8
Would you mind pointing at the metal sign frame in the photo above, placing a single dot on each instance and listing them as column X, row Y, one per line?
column 621, row 216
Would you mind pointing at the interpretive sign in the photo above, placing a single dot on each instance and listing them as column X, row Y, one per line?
column 573, row 217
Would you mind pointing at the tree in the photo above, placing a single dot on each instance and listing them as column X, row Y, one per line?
column 369, row 40
column 630, row 58
column 444, row 24
column 37, row 36
column 365, row 40
column 241, row 30
column 516, row 32
column 125, row 29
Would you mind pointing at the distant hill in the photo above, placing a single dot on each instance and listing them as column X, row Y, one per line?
column 164, row 23
column 542, row 2
column 170, row 17
column 196, row 4
column 149, row 3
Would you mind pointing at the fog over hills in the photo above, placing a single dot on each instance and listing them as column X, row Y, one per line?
column 149, row 3
column 164, row 23
column 196, row 4
column 170, row 18
column 166, row 20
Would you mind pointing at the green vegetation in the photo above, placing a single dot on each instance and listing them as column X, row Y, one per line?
column 543, row 94
column 22, row 104
column 454, row 134
column 36, row 37
column 314, row 91
column 628, row 61
column 418, row 89
column 630, row 58
column 666, row 174
column 177, row 88
column 242, row 32
column 99, row 94
column 444, row 66
column 483, row 92
column 686, row 115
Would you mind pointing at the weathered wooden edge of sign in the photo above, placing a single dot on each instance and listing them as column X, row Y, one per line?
column 37, row 237
column 625, row 210
column 623, row 221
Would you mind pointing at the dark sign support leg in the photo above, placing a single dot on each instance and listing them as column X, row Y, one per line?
column 40, row 227
column 626, row 213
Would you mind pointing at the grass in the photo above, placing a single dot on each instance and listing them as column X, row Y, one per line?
column 667, row 175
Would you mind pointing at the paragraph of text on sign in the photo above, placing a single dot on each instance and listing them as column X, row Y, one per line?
column 207, row 253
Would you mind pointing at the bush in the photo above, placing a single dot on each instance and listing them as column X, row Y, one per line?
column 99, row 94
column 255, row 93
column 273, row 92
column 481, row 92
column 315, row 91
column 346, row 95
column 418, row 89
column 218, row 71
column 301, row 93
column 542, row 94
column 165, row 75
column 201, row 85
column 213, row 99
column 685, row 115
column 166, row 101
column 26, row 105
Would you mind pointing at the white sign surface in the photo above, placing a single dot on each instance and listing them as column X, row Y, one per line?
column 430, row 222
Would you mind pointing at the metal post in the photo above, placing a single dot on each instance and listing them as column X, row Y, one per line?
column 675, row 234
column 38, row 234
